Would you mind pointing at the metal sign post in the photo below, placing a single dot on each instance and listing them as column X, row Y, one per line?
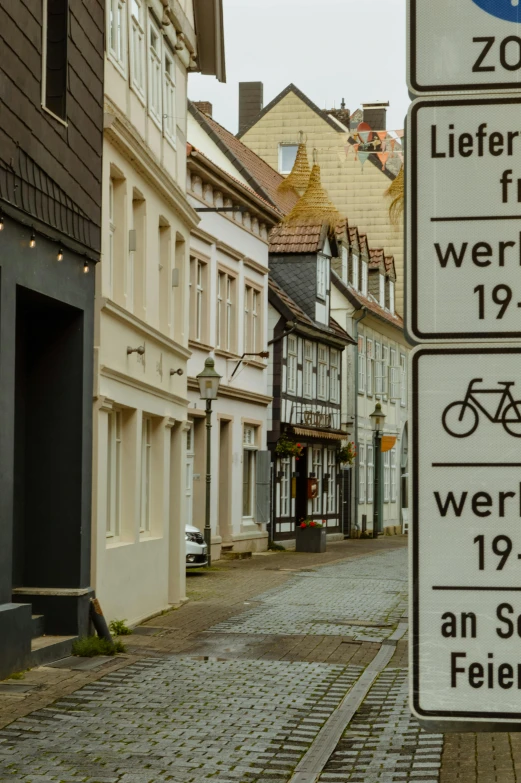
column 466, row 537
column 464, row 46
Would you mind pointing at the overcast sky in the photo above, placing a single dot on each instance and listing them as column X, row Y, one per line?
column 331, row 49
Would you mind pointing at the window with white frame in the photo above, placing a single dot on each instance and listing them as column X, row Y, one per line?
column 387, row 475
column 146, row 474
column 382, row 290
column 252, row 333
column 291, row 368
column 198, row 287
column 331, row 484
column 370, row 472
column 113, row 474
column 361, row 472
column 394, row 476
column 117, row 33
column 321, row 276
column 112, row 233
column 322, row 373
column 249, row 455
column 394, row 377
column 137, row 49
column 154, row 72
column 317, row 470
column 285, row 487
column 378, row 369
column 385, row 371
column 308, row 369
column 403, row 380
column 354, row 278
column 334, row 380
column 364, row 278
column 361, row 364
column 391, row 296
column 370, row 360
column 345, row 261
column 287, row 155
column 225, row 333
column 169, row 117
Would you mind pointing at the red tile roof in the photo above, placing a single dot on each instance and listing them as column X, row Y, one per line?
column 288, row 238
column 259, row 174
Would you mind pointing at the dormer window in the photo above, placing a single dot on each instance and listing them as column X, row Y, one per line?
column 354, row 278
column 364, row 278
column 321, row 276
column 382, row 291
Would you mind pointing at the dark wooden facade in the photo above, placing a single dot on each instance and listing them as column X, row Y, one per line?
column 306, row 371
column 51, row 110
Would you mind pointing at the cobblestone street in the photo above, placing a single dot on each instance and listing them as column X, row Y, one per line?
column 238, row 684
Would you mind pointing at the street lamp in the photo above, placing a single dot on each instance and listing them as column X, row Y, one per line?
column 377, row 419
column 209, row 380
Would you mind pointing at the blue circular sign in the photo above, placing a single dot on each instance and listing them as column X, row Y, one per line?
column 509, row 10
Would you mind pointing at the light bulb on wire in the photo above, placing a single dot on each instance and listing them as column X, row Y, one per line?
column 86, row 268
column 1, row 222
column 32, row 242
column 60, row 254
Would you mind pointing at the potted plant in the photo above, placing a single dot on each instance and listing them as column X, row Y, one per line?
column 311, row 536
column 346, row 454
column 288, row 448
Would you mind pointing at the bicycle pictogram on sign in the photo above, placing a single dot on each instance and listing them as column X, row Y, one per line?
column 461, row 418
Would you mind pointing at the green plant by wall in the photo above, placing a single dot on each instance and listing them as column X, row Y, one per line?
column 89, row 646
column 119, row 628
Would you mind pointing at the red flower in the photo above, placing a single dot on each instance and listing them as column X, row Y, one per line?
column 312, row 524
column 303, row 524
column 299, row 446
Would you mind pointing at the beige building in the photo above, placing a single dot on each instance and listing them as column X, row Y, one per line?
column 142, row 312
column 228, row 321
column 357, row 190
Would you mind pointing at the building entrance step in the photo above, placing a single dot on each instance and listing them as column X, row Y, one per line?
column 38, row 625
column 226, row 555
column 45, row 649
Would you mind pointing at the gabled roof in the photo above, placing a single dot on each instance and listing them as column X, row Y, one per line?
column 359, row 301
column 292, row 312
column 313, row 106
column 260, row 176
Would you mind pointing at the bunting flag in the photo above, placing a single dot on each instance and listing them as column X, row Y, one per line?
column 400, row 133
column 364, row 135
column 382, row 157
column 392, row 142
column 362, row 157
column 347, row 149
column 355, row 147
column 382, row 135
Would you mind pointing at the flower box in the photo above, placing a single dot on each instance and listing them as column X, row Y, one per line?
column 311, row 539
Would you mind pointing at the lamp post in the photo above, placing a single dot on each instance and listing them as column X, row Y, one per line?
column 209, row 380
column 377, row 419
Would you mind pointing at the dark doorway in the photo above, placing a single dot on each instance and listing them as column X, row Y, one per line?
column 48, row 442
column 301, row 500
column 345, row 500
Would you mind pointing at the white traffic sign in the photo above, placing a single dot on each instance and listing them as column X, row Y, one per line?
column 466, row 534
column 463, row 245
column 463, row 45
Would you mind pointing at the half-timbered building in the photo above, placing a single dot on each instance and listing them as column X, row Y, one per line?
column 305, row 430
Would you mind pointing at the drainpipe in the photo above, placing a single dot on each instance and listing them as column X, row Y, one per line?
column 357, row 467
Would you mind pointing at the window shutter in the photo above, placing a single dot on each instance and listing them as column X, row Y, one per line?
column 263, row 462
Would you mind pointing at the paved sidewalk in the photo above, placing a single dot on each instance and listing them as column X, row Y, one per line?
column 236, row 686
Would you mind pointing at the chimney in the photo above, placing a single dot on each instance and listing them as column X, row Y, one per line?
column 375, row 114
column 251, row 97
column 204, row 106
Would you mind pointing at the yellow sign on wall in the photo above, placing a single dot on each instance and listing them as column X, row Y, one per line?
column 388, row 442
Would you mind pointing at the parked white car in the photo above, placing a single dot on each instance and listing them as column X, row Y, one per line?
column 196, row 550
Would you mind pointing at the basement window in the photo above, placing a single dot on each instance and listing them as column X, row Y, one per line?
column 54, row 56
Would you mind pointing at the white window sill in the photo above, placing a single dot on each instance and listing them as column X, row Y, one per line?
column 144, row 536
column 55, row 116
column 114, row 542
column 120, row 67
